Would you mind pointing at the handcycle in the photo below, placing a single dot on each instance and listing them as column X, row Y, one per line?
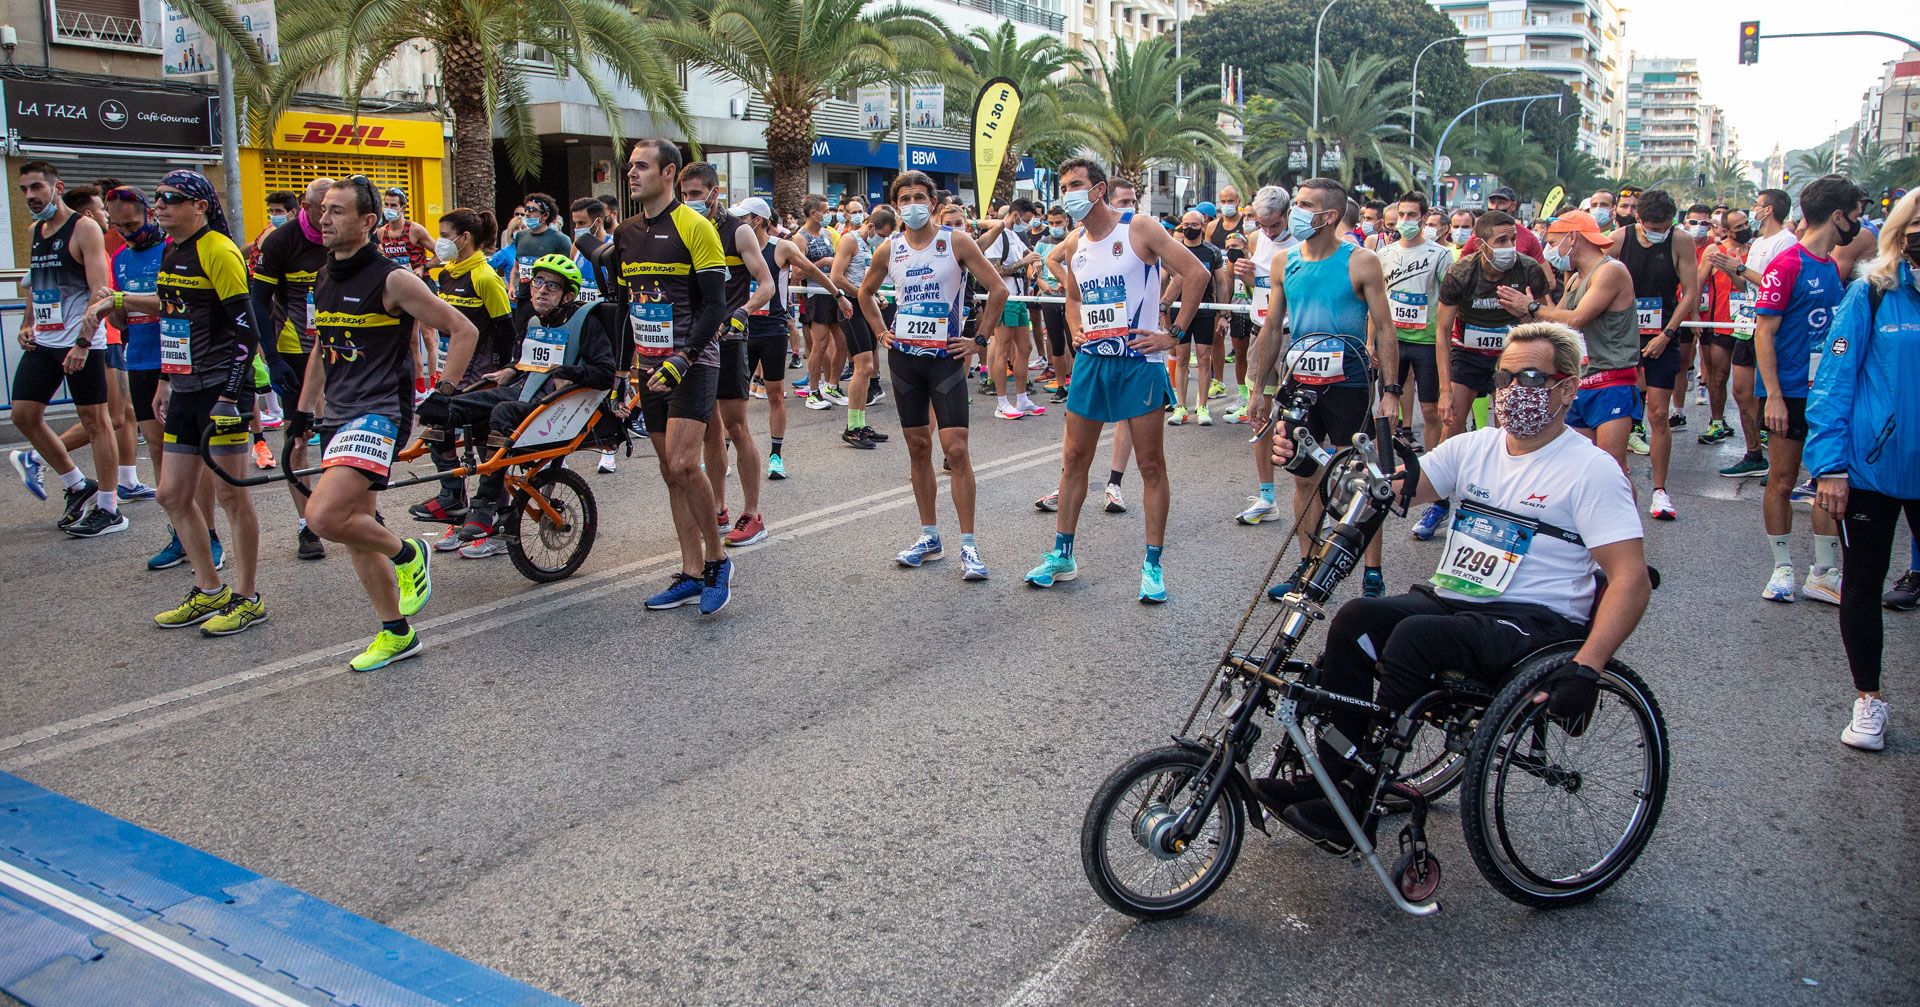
column 1550, row 818
column 551, row 519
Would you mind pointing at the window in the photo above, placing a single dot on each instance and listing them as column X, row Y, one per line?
column 1503, row 54
column 1506, row 19
column 107, row 22
column 1476, row 22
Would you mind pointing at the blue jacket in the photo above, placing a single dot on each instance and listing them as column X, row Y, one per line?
column 1856, row 420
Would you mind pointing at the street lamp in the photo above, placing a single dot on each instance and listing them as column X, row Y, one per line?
column 1413, row 96
column 1556, row 151
column 1480, row 92
column 1313, row 140
column 1523, row 118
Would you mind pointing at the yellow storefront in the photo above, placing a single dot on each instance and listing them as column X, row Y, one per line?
column 408, row 153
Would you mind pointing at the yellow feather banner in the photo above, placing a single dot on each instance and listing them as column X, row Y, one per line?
column 1553, row 201
column 994, row 111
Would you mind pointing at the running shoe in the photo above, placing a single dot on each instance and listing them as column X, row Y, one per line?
column 875, row 392
column 312, row 548
column 1746, row 468
column 219, row 551
column 799, row 387
column 874, row 435
column 1237, row 414
column 1116, row 504
column 1700, row 396
column 854, row 438
column 1178, row 418
column 749, row 530
column 846, row 375
column 386, row 648
column 1905, row 596
column 1822, row 585
column 1049, row 503
column 1662, row 507
column 262, row 456
column 1153, row 585
column 1053, row 569
column 1429, row 522
column 313, row 439
column 1202, row 417
column 138, row 491
column 715, row 590
column 446, row 508
column 1259, row 509
column 758, row 389
column 816, row 403
column 776, row 467
column 1286, row 587
column 27, row 464
column 239, row 616
column 1677, row 420
column 793, row 360
column 486, row 547
column 1008, row 411
column 1059, row 395
column 1868, row 728
column 637, row 424
column 927, row 547
column 608, row 463
column 79, row 499
column 170, row 555
column 450, row 540
column 1805, row 492
column 1028, row 406
column 1715, row 432
column 685, row 590
column 1373, row 583
column 1216, row 389
column 1050, row 385
column 972, row 567
column 415, row 579
column 723, row 521
column 835, row 394
column 1780, row 586
column 97, row 522
column 272, row 421
column 1637, row 441
column 198, row 607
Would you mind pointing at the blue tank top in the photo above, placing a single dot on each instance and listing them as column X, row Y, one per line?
column 1320, row 298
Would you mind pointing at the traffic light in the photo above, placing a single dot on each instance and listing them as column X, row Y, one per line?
column 1786, row 177
column 1749, row 42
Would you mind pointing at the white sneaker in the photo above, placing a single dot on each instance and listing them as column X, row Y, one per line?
column 1822, row 586
column 1026, row 405
column 1049, row 503
column 1008, row 411
column 1262, row 509
column 607, row 463
column 1780, row 586
column 1116, row 504
column 1868, row 729
column 1662, row 507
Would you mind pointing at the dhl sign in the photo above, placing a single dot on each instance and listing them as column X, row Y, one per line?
column 322, row 132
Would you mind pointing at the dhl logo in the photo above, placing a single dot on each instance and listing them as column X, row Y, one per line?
column 344, row 135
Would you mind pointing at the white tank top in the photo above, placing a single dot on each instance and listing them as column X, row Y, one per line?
column 1118, row 291
column 928, row 285
column 1264, row 251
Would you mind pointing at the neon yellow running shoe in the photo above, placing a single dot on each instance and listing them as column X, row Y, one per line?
column 198, row 607
column 239, row 615
column 387, row 648
column 416, row 579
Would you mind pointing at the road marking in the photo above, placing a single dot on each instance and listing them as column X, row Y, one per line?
column 1044, row 987
column 139, row 936
column 574, row 592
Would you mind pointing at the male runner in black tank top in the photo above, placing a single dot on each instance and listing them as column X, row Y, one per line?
column 362, row 370
column 1663, row 262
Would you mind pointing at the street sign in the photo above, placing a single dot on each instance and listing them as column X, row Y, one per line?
column 1445, row 163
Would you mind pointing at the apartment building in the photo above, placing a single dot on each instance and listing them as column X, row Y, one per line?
column 1667, row 123
column 1890, row 109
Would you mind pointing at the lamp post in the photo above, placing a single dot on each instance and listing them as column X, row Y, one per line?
column 1477, row 94
column 1413, row 95
column 1523, row 118
column 1441, row 144
column 1556, row 150
column 1313, row 140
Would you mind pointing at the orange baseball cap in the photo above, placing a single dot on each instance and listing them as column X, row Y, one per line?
column 1579, row 222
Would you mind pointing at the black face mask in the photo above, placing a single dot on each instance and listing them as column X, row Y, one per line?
column 1846, row 233
column 1913, row 246
column 1624, row 219
column 1192, row 233
column 1743, row 236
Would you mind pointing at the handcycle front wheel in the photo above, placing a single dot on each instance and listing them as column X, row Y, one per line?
column 1554, row 820
column 541, row 549
column 1127, row 843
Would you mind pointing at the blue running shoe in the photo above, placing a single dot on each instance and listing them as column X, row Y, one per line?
column 1279, row 592
column 1373, row 584
column 1805, row 492
column 138, row 491
column 28, row 466
column 927, row 547
column 972, row 567
column 714, row 592
column 171, row 555
column 1153, row 586
column 685, row 590
column 313, row 439
column 1429, row 522
column 219, row 553
column 1053, row 569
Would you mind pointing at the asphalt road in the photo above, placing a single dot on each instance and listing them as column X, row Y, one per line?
column 862, row 784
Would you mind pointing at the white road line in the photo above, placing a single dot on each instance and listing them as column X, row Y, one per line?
column 140, row 937
column 519, row 608
column 1044, row 987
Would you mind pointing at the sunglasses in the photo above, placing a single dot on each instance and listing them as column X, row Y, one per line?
column 1530, row 377
column 365, row 184
column 172, row 198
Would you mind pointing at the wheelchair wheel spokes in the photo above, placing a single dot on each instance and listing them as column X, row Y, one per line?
column 1129, row 846
column 542, row 548
column 1432, row 767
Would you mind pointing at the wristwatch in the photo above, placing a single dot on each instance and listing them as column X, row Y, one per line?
column 1179, row 334
column 1533, row 308
column 1390, row 389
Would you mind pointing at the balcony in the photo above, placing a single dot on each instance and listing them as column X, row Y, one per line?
column 1018, row 11
column 105, row 30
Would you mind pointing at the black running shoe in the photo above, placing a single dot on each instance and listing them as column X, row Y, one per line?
column 97, row 522
column 310, row 545
column 77, row 500
column 859, row 439
column 874, row 435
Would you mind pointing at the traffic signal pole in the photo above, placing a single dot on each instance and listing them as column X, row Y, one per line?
column 1750, row 39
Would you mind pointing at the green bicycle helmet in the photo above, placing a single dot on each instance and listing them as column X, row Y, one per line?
column 561, row 265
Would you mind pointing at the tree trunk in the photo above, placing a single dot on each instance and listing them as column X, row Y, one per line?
column 463, row 69
column 1003, row 183
column 790, row 151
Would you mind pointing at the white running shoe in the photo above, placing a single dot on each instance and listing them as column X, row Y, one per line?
column 607, row 463
column 1700, row 396
column 1662, row 506
column 1780, row 586
column 1049, row 503
column 1262, row 509
column 1822, row 586
column 1116, row 504
column 1868, row 729
column 1008, row 411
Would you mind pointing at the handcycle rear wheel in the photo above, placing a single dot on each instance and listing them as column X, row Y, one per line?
column 1554, row 820
column 1124, row 842
column 541, row 550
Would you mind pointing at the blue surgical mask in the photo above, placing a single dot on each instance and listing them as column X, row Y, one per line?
column 1503, row 258
column 47, row 212
column 533, row 223
column 1056, row 233
column 830, row 219
column 1603, row 215
column 915, row 215
column 581, row 232
column 276, row 219
column 1462, row 235
column 1657, row 237
column 698, row 206
column 856, row 219
column 1300, row 223
column 1077, row 203
column 391, row 214
column 1559, row 260
column 1369, row 228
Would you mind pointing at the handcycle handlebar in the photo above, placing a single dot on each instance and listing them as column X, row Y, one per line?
column 286, row 474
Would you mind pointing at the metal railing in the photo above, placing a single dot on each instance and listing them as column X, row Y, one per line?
column 80, row 26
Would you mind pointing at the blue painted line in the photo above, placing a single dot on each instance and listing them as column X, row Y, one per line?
column 94, row 909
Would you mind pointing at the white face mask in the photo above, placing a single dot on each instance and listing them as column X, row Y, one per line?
column 1429, row 233
column 445, row 249
column 1503, row 258
column 1461, row 235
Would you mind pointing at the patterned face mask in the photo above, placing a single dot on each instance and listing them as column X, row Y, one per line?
column 1523, row 412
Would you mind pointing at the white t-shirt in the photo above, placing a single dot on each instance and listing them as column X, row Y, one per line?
column 1764, row 250
column 1007, row 249
column 1570, row 484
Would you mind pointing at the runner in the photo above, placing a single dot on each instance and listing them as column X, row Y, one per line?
column 826, row 349
column 1270, row 241
column 1191, row 233
column 1600, row 207
column 1716, row 305
column 926, row 355
column 365, row 308
column 281, row 206
column 136, row 270
column 850, row 264
column 1231, row 221
column 291, row 257
column 1415, row 267
column 1661, row 262
column 1113, row 299
column 480, row 297
column 675, row 274
column 1010, row 343
column 69, row 260
column 768, row 317
column 1233, row 349
column 1798, row 295
column 1336, row 290
column 1053, row 317
column 403, row 239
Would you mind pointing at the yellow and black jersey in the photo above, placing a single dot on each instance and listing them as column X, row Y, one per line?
column 207, row 331
column 659, row 257
column 478, row 293
column 367, row 349
column 289, row 264
column 739, row 281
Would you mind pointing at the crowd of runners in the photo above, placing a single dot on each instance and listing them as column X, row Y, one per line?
column 348, row 327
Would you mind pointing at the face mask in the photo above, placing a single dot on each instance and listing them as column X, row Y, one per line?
column 698, row 206
column 1625, row 220
column 276, row 219
column 1192, row 233
column 1523, row 412
column 1300, row 223
column 1077, row 204
column 307, row 227
column 1503, row 258
column 1913, row 246
column 1698, row 231
column 1429, row 233
column 830, row 219
column 1228, row 209
column 1056, row 233
column 391, row 214
column 533, row 223
column 856, row 219
column 1603, row 215
column 1847, row 234
column 1369, row 228
column 1408, row 229
column 1560, row 260
column 47, row 212
column 915, row 215
column 445, row 249
column 1462, row 235
column 1657, row 237
column 1743, row 235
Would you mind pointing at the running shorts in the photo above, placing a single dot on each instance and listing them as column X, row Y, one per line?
column 1743, row 355
column 141, row 388
column 187, row 422
column 1796, row 417
column 692, row 399
column 1015, row 315
column 1202, row 330
column 1422, row 361
column 922, row 383
column 859, row 334
column 732, row 374
column 1593, row 407
column 768, row 355
column 403, row 424
column 1340, row 413
column 1054, row 319
column 1663, row 370
column 1475, row 370
column 42, row 369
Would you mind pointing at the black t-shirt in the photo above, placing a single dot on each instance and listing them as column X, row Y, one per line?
column 1468, row 288
column 290, row 264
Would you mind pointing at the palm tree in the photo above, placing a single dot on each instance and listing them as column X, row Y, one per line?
column 483, row 48
column 1580, row 173
column 1050, row 75
column 795, row 54
column 1728, row 180
column 1872, row 167
column 1813, row 163
column 1136, row 122
column 1358, row 114
column 1506, row 152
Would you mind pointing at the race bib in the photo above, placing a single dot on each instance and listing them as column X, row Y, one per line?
column 1646, row 314
column 1813, row 366
column 922, row 324
column 1483, row 551
column 1486, row 339
column 176, row 346
column 589, row 294
column 523, row 270
column 366, row 444
column 542, row 349
column 1103, row 321
column 312, row 328
column 1706, row 302
column 1262, row 299
column 652, row 327
column 1409, row 309
column 753, row 286
column 1318, row 362
column 49, row 318
column 1742, row 303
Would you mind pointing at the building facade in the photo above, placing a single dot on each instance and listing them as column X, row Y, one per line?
column 1890, row 109
column 1667, row 123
